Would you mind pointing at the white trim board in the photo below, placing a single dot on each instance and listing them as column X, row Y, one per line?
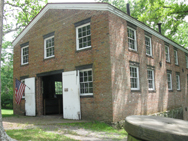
column 95, row 6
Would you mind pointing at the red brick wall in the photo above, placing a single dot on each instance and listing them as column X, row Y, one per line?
column 66, row 57
column 113, row 99
column 127, row 102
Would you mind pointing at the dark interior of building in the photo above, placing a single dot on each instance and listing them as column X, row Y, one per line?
column 52, row 94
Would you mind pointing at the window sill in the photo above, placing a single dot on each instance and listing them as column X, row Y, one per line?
column 149, row 56
column 152, row 91
column 170, row 90
column 135, row 90
column 49, row 58
column 168, row 62
column 89, row 48
column 177, row 65
column 86, row 96
column 23, row 65
column 131, row 50
column 178, row 90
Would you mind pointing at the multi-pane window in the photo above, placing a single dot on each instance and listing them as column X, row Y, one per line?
column 176, row 57
column 23, row 81
column 25, row 55
column 86, row 82
column 83, row 36
column 49, row 47
column 132, row 38
column 58, row 87
column 186, row 61
column 169, row 79
column 148, row 46
column 178, row 81
column 134, row 78
column 151, row 82
column 167, row 53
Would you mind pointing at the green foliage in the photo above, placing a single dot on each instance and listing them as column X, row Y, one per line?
column 7, row 112
column 36, row 135
column 7, row 75
column 171, row 13
column 18, row 13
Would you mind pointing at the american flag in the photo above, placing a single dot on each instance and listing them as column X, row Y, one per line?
column 19, row 90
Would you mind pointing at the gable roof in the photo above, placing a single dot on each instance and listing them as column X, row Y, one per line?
column 95, row 6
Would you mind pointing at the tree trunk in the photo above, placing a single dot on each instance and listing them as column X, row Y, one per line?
column 3, row 135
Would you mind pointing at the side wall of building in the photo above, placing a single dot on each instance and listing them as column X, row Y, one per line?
column 98, row 107
column 141, row 102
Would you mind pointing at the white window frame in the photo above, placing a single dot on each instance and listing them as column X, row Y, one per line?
column 45, row 55
column 86, row 94
column 23, row 81
column 135, row 41
column 137, row 78
column 22, row 63
column 178, row 82
column 77, row 38
column 186, row 61
column 169, row 81
column 153, row 79
column 176, row 57
column 167, row 53
column 149, row 46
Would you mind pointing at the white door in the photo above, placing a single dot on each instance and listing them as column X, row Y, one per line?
column 71, row 95
column 30, row 106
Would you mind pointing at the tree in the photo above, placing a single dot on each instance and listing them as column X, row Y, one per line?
column 171, row 13
column 16, row 14
column 3, row 135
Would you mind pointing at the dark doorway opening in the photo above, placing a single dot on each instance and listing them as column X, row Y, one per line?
column 52, row 94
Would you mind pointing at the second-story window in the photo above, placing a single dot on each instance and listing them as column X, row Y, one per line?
column 176, row 57
column 83, row 36
column 186, row 57
column 25, row 55
column 132, row 38
column 167, row 53
column 148, row 46
column 49, row 47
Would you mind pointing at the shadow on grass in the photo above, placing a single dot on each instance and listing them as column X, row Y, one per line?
column 35, row 135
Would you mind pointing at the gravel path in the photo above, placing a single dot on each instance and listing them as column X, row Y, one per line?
column 51, row 124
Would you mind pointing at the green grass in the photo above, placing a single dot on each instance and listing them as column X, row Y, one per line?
column 96, row 126
column 7, row 112
column 36, row 135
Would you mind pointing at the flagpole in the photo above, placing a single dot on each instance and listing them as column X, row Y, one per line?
column 22, row 83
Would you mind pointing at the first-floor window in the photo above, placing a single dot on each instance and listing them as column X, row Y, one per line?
column 86, row 82
column 169, row 78
column 58, row 87
column 23, row 81
column 134, row 78
column 25, row 55
column 151, row 82
column 178, row 81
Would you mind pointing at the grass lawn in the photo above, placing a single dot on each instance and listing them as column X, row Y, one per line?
column 7, row 112
column 97, row 126
column 36, row 135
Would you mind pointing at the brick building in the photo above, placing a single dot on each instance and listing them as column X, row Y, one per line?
column 110, row 64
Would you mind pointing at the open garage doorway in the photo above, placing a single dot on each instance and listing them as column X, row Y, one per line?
column 52, row 94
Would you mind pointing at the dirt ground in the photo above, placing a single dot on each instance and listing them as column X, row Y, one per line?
column 51, row 124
